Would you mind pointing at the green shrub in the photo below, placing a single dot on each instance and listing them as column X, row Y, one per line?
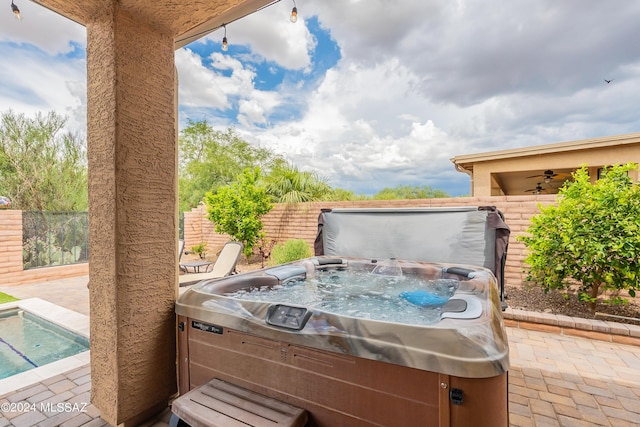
column 290, row 250
column 236, row 209
column 200, row 249
column 590, row 239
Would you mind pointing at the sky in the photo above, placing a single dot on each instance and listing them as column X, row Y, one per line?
column 373, row 93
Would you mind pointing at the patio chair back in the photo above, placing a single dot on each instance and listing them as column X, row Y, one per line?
column 227, row 260
column 180, row 249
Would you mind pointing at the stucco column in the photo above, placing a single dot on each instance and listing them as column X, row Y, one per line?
column 132, row 155
column 482, row 183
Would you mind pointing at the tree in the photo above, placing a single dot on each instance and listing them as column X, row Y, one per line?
column 591, row 238
column 42, row 167
column 340, row 194
column 209, row 159
column 407, row 192
column 286, row 184
column 236, row 209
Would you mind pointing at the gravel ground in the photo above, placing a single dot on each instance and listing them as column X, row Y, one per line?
column 532, row 298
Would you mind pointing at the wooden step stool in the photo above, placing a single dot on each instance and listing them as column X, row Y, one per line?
column 221, row 404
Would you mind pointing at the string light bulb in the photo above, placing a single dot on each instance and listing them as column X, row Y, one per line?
column 16, row 11
column 294, row 13
column 225, row 44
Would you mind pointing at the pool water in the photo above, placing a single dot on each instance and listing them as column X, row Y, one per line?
column 359, row 294
column 28, row 341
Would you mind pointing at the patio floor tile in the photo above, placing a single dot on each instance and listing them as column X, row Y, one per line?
column 555, row 379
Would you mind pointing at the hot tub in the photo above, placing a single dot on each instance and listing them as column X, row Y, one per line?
column 395, row 322
column 356, row 341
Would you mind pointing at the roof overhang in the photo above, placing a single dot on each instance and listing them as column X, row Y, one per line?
column 466, row 161
column 185, row 21
column 537, row 169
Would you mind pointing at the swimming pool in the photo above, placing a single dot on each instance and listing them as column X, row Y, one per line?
column 28, row 341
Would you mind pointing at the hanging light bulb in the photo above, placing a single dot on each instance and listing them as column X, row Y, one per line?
column 16, row 11
column 294, row 13
column 225, row 44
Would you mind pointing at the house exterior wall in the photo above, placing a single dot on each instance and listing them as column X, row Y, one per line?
column 300, row 222
column 488, row 168
column 593, row 158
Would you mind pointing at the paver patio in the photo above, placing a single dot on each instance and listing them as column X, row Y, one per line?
column 554, row 380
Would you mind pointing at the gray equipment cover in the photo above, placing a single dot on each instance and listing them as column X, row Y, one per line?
column 461, row 235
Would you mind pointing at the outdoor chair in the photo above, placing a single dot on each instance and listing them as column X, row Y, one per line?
column 226, row 262
column 180, row 251
column 224, row 266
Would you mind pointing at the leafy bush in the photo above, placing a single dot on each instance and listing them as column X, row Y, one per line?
column 237, row 208
column 200, row 249
column 290, row 250
column 43, row 167
column 591, row 239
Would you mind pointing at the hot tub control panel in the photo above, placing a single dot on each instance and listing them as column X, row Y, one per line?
column 286, row 316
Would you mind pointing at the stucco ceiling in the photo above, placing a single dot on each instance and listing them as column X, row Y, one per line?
column 532, row 181
column 185, row 21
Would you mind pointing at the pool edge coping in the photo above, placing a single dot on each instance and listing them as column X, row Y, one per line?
column 60, row 316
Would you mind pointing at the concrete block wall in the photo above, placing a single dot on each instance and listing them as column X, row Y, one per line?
column 299, row 221
column 11, row 272
column 284, row 222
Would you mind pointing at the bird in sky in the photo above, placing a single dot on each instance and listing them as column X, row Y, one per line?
column 608, row 81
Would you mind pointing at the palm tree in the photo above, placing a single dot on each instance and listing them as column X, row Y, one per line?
column 286, row 184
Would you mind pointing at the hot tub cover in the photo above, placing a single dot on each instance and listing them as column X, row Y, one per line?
column 469, row 235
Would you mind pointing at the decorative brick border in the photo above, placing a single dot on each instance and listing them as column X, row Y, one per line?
column 601, row 330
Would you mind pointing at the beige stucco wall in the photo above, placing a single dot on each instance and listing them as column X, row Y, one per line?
column 483, row 185
column 132, row 216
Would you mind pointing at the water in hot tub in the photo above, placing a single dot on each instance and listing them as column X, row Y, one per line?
column 362, row 294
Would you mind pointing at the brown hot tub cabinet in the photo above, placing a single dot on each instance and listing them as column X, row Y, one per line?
column 361, row 364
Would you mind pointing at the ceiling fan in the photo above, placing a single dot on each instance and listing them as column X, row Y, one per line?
column 547, row 175
column 536, row 190
column 549, row 188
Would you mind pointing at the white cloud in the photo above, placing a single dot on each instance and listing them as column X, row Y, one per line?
column 421, row 82
column 241, row 81
column 372, row 30
column 355, row 129
column 199, row 86
column 31, row 86
column 272, row 36
column 40, row 27
column 417, row 82
column 40, row 68
column 215, row 88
